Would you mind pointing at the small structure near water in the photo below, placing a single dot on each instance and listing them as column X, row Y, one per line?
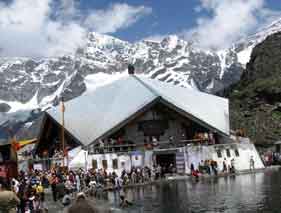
column 135, row 122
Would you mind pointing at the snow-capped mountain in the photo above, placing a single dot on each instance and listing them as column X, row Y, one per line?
column 245, row 46
column 27, row 83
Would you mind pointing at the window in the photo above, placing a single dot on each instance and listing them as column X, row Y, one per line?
column 104, row 164
column 219, row 153
column 94, row 164
column 228, row 153
column 236, row 152
column 115, row 163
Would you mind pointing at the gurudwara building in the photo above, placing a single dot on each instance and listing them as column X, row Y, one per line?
column 136, row 121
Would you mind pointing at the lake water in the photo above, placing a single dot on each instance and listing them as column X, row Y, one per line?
column 259, row 192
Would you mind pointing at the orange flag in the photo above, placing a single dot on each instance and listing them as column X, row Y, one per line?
column 15, row 145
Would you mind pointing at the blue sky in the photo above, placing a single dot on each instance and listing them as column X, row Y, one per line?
column 56, row 27
column 167, row 17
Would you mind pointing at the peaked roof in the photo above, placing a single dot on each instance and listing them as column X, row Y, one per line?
column 91, row 115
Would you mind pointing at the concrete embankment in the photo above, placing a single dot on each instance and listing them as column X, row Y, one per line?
column 189, row 177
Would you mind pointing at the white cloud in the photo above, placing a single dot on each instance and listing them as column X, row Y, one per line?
column 228, row 21
column 50, row 28
column 68, row 8
column 63, row 39
column 117, row 16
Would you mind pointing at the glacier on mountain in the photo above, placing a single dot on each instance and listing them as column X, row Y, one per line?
column 28, row 84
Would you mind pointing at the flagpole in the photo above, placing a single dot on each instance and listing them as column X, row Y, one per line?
column 62, row 130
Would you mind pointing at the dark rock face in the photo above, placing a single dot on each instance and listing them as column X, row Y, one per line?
column 256, row 99
column 265, row 59
column 75, row 88
column 4, row 107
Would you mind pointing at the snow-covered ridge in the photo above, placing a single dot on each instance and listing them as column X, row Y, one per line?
column 27, row 83
column 245, row 46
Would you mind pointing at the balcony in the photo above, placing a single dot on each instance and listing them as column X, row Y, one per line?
column 130, row 147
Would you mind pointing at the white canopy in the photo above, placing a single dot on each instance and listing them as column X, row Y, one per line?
column 91, row 115
column 79, row 161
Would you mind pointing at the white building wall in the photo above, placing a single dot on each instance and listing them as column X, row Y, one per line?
column 125, row 161
column 242, row 162
column 192, row 154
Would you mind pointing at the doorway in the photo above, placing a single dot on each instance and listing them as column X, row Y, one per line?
column 165, row 160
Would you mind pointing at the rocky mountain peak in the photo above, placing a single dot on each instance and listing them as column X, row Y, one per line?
column 26, row 83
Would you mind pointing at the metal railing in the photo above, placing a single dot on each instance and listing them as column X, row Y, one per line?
column 123, row 148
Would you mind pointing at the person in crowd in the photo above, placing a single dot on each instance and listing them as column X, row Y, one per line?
column 124, row 202
column 191, row 167
column 8, row 199
column 171, row 168
column 54, row 182
column 66, row 200
column 118, row 182
column 159, row 171
column 207, row 167
column 78, row 182
column 195, row 173
column 171, row 141
column 60, row 188
column 22, row 194
column 232, row 167
column 68, row 185
column 154, row 141
column 252, row 163
column 31, row 202
column 15, row 186
column 224, row 166
column 82, row 205
column 214, row 167
column 37, row 203
column 133, row 176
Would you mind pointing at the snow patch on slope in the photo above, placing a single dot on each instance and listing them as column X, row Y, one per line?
column 48, row 100
column 245, row 55
column 222, row 55
column 18, row 106
column 100, row 79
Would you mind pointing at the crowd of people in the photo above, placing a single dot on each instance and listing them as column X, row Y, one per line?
column 271, row 158
column 24, row 194
column 27, row 193
column 210, row 167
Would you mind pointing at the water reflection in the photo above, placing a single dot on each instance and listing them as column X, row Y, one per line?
column 245, row 193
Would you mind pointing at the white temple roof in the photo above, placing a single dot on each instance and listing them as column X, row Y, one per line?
column 91, row 115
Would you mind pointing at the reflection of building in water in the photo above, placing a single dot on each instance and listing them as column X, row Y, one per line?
column 228, row 192
column 135, row 121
